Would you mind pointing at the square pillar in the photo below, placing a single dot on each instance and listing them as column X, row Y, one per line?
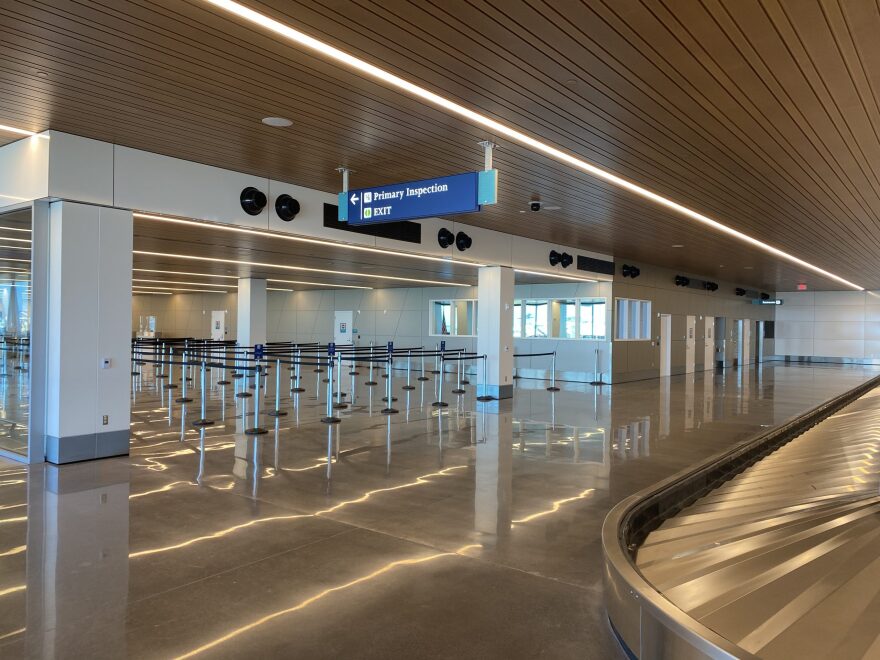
column 81, row 331
column 252, row 310
column 495, row 329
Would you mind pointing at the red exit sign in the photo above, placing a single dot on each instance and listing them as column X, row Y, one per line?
column 802, row 287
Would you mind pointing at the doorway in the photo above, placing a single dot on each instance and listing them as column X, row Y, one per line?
column 665, row 344
column 738, row 340
column 759, row 342
column 720, row 342
column 709, row 343
column 690, row 344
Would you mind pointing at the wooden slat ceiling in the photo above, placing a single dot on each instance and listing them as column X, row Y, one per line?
column 761, row 113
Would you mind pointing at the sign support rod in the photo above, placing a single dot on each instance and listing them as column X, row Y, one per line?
column 345, row 172
column 488, row 146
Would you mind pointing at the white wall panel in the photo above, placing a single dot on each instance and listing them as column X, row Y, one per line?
column 843, row 348
column 80, row 169
column 24, row 170
column 161, row 184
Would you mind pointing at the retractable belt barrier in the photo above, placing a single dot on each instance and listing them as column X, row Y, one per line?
column 552, row 387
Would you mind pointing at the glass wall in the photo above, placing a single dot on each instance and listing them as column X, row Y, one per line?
column 15, row 317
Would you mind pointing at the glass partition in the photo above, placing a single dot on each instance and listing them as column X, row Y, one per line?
column 15, row 328
column 563, row 319
column 456, row 318
column 592, row 318
column 535, row 314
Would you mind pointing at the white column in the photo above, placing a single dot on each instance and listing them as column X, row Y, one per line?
column 252, row 310
column 81, row 340
column 495, row 329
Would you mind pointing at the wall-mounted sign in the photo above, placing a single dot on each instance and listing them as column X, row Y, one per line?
column 448, row 195
column 774, row 301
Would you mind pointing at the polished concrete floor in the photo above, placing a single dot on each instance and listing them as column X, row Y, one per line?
column 469, row 532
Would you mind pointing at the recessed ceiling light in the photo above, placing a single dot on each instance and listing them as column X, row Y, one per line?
column 500, row 128
column 678, row 246
column 277, row 122
column 748, row 267
column 721, row 266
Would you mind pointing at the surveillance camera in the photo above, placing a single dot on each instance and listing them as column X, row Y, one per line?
column 535, row 206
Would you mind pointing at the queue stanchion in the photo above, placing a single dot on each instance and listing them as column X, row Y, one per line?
column 340, row 404
column 422, row 375
column 277, row 412
column 297, row 382
column 389, row 397
column 171, row 384
column 408, row 386
column 437, row 358
column 256, row 429
column 203, row 420
column 352, row 370
column 183, row 398
column 371, row 382
column 243, row 392
column 458, row 388
column 440, row 403
column 485, row 396
column 553, row 387
column 330, row 418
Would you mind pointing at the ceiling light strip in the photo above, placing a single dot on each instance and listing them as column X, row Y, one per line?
column 137, row 279
column 560, row 277
column 502, row 129
column 295, row 268
column 303, row 239
column 238, row 277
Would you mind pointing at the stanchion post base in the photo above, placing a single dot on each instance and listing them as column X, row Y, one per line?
column 552, row 389
column 171, row 386
column 408, row 387
column 277, row 413
column 465, row 381
column 389, row 411
column 203, row 422
column 423, row 378
column 183, row 399
column 243, row 395
column 257, row 430
column 224, row 382
column 371, row 383
column 385, row 398
column 340, row 406
column 485, row 398
column 318, row 371
column 354, row 373
column 440, row 404
column 297, row 389
column 331, row 420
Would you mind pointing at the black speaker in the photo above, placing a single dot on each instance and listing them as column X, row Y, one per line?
column 630, row 271
column 252, row 201
column 286, row 207
column 445, row 238
column 765, row 296
column 567, row 260
column 710, row 286
column 681, row 280
column 740, row 292
column 463, row 241
column 555, row 257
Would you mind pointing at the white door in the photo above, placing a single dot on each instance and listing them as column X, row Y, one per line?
column 665, row 344
column 690, row 344
column 218, row 325
column 709, row 344
column 759, row 342
column 738, row 339
column 342, row 333
column 747, row 342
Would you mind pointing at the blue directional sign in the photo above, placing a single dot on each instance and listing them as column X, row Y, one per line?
column 259, row 351
column 331, row 349
column 442, row 346
column 390, row 347
column 459, row 193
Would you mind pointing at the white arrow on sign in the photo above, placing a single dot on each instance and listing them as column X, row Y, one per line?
column 354, row 199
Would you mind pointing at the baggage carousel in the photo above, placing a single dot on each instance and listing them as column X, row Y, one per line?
column 771, row 551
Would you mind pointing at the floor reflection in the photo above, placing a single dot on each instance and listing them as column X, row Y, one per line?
column 304, row 541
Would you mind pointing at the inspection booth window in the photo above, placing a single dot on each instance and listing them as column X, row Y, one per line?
column 453, row 318
column 561, row 318
column 592, row 318
column 633, row 319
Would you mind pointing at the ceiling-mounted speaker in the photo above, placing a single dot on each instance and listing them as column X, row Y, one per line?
column 555, row 257
column 286, row 207
column 567, row 260
column 253, row 201
column 681, row 280
column 740, row 292
column 710, row 286
column 630, row 271
column 765, row 296
column 445, row 238
column 463, row 241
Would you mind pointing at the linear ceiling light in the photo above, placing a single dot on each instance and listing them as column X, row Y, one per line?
column 15, row 228
column 335, row 286
column 297, row 268
column 302, row 239
column 496, row 126
column 17, row 131
column 152, row 293
column 560, row 277
column 224, row 286
column 183, row 272
column 171, row 288
column 272, row 288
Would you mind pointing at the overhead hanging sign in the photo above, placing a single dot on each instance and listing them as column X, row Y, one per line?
column 774, row 301
column 448, row 195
